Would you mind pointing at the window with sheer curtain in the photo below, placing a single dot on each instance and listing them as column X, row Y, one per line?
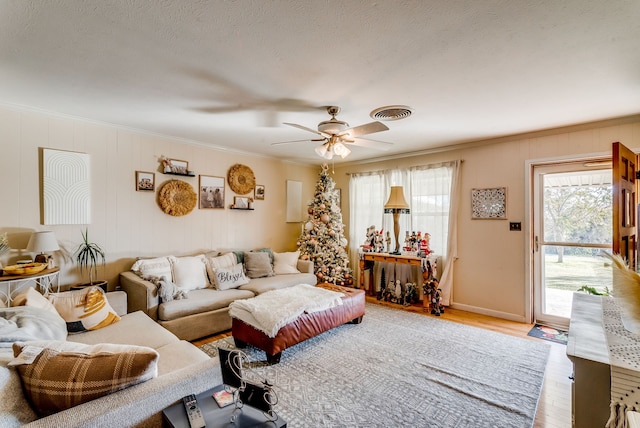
column 430, row 191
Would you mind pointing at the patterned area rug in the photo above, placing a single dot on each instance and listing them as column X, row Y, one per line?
column 549, row 333
column 403, row 369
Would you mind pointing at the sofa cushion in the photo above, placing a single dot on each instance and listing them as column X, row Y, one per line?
column 285, row 263
column 201, row 301
column 261, row 285
column 226, row 278
column 86, row 309
column 127, row 332
column 189, row 273
column 178, row 355
column 60, row 375
column 258, row 264
column 159, row 267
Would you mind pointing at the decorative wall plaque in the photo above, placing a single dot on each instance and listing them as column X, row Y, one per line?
column 241, row 179
column 489, row 203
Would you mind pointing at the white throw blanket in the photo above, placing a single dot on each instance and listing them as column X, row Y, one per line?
column 25, row 323
column 275, row 309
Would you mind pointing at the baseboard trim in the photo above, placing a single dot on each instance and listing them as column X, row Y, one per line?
column 489, row 312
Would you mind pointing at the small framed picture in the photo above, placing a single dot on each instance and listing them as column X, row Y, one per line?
column 259, row 192
column 241, row 203
column 177, row 166
column 211, row 192
column 145, row 181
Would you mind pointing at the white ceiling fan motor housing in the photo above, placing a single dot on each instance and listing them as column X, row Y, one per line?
column 332, row 126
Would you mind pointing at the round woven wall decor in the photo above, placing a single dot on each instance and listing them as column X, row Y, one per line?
column 241, row 179
column 177, row 198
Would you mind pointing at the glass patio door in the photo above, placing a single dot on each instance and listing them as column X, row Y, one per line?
column 572, row 226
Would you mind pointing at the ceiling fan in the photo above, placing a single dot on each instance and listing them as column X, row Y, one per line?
column 336, row 134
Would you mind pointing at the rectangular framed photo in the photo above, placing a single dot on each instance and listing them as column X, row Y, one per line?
column 489, row 204
column 258, row 192
column 178, row 166
column 211, row 191
column 145, row 181
column 241, row 203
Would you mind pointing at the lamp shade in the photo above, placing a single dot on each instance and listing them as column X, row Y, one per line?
column 41, row 242
column 396, row 201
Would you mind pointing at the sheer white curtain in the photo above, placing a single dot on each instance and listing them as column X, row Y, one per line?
column 366, row 202
column 434, row 206
column 432, row 192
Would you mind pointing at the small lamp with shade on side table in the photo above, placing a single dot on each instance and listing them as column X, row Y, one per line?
column 42, row 242
column 396, row 205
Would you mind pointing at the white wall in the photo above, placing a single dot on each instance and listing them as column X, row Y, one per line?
column 491, row 274
column 127, row 223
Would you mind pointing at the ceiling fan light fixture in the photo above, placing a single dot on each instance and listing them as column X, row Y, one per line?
column 321, row 150
column 345, row 152
column 395, row 112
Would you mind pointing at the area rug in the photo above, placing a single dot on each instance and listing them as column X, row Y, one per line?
column 404, row 370
column 549, row 333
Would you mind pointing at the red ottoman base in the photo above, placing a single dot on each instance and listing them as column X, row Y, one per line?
column 304, row 327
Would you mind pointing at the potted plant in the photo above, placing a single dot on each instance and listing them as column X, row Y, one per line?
column 88, row 254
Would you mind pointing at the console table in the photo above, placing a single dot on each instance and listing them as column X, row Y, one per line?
column 368, row 259
column 587, row 349
column 44, row 280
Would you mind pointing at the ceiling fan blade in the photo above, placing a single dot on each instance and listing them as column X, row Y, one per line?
column 298, row 141
column 365, row 129
column 304, row 128
column 370, row 144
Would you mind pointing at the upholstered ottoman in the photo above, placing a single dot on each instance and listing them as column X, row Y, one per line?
column 304, row 327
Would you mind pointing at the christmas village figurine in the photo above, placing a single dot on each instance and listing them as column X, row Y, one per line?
column 374, row 241
column 433, row 295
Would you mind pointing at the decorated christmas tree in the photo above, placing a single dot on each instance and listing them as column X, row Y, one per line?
column 322, row 239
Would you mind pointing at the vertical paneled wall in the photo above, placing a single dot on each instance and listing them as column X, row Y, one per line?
column 129, row 223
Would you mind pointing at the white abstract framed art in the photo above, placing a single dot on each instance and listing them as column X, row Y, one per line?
column 66, row 191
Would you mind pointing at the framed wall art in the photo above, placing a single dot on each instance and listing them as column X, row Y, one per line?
column 259, row 192
column 241, row 203
column 66, row 188
column 211, row 191
column 145, row 181
column 489, row 204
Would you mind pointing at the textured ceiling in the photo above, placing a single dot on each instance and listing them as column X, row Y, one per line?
column 228, row 73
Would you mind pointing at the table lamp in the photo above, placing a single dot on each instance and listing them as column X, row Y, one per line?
column 41, row 242
column 396, row 205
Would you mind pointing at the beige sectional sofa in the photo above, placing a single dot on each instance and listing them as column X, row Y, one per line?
column 182, row 369
column 205, row 311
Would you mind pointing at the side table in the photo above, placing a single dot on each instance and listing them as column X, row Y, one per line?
column 175, row 416
column 44, row 280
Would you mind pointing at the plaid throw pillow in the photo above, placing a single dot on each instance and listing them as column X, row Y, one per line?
column 57, row 380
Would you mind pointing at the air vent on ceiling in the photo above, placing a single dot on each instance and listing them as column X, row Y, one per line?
column 391, row 113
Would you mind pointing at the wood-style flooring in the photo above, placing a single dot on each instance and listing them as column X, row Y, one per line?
column 554, row 408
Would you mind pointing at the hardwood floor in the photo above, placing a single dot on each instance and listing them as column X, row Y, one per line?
column 554, row 408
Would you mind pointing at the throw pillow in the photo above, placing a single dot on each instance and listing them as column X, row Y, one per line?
column 31, row 297
column 226, row 261
column 60, row 375
column 268, row 251
column 86, row 309
column 159, row 267
column 285, row 263
column 232, row 277
column 257, row 264
column 189, row 273
column 167, row 290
